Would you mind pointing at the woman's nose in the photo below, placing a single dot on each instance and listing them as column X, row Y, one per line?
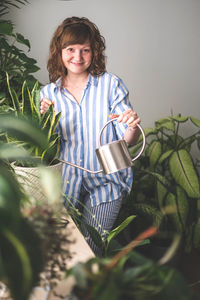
column 78, row 55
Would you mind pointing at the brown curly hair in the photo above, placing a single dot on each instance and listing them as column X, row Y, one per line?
column 73, row 31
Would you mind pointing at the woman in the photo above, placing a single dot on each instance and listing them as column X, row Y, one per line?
column 86, row 95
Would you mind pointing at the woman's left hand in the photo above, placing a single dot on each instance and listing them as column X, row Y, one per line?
column 130, row 117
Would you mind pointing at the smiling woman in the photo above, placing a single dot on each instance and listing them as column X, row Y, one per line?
column 86, row 94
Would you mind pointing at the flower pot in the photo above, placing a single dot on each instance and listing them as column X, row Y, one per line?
column 30, row 179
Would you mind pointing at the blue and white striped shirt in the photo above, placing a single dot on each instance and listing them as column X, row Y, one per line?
column 79, row 129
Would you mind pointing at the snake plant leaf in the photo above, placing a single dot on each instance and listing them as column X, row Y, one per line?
column 57, row 118
column 154, row 152
column 13, row 95
column 27, row 101
column 36, row 97
column 165, row 156
column 180, row 119
column 119, row 228
column 184, row 173
column 166, row 123
column 195, row 121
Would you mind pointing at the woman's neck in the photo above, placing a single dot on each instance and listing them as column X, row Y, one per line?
column 76, row 80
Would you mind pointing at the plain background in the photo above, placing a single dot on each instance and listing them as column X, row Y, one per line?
column 153, row 45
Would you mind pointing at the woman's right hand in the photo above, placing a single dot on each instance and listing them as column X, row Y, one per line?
column 44, row 105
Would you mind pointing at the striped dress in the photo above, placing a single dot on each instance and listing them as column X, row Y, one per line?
column 79, row 129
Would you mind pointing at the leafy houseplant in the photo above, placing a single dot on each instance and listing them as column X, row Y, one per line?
column 167, row 175
column 128, row 275
column 13, row 60
column 28, row 108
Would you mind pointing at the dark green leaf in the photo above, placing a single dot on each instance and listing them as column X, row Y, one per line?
column 20, row 38
column 6, row 28
column 183, row 171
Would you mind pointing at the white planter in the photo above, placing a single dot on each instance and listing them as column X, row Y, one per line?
column 30, row 178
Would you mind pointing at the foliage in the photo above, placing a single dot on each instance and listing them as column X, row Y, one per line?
column 167, row 176
column 13, row 60
column 127, row 275
column 21, row 257
column 29, row 108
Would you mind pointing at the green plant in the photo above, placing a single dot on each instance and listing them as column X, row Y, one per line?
column 167, row 175
column 20, row 265
column 13, row 60
column 29, row 108
column 128, row 275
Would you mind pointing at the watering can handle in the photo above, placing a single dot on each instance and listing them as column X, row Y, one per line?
column 143, row 137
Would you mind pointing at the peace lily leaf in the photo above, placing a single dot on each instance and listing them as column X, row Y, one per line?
column 161, row 193
column 195, row 121
column 174, row 217
column 182, row 170
column 154, row 152
column 180, row 118
column 165, row 156
column 182, row 206
column 118, row 229
column 166, row 123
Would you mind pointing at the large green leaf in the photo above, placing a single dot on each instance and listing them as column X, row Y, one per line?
column 182, row 206
column 154, row 152
column 184, row 173
column 6, row 28
column 165, row 155
column 20, row 39
column 174, row 217
column 195, row 121
column 23, row 130
column 166, row 123
column 22, row 258
column 179, row 118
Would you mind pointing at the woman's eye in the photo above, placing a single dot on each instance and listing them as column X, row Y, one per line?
column 69, row 49
column 86, row 50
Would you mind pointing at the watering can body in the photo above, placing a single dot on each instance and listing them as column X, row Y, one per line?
column 113, row 156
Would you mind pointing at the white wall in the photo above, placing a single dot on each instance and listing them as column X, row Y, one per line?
column 153, row 45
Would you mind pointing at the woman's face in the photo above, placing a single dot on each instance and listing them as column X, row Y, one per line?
column 77, row 58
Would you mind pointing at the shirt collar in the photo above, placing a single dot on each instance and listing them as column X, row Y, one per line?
column 92, row 80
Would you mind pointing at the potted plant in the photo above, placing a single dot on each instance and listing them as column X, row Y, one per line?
column 166, row 184
column 29, row 108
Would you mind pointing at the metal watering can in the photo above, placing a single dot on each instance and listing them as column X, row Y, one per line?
column 113, row 156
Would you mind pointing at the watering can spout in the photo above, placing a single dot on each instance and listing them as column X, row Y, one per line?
column 114, row 156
